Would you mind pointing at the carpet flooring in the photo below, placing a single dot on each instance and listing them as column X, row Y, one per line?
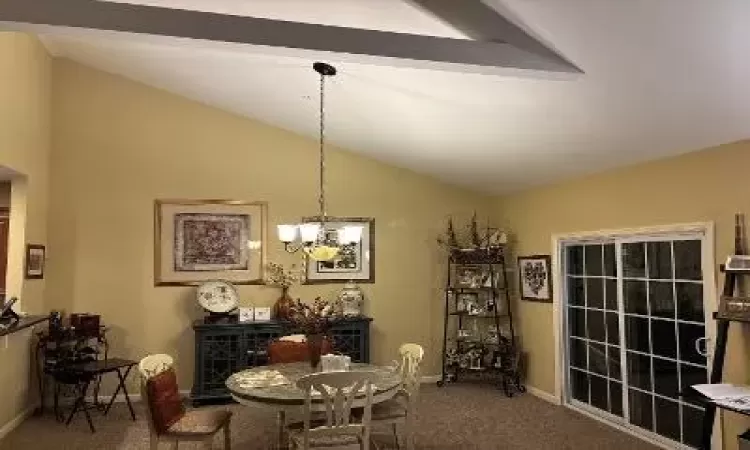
column 455, row 417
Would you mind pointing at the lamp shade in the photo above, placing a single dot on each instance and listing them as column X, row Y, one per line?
column 287, row 233
column 309, row 232
column 350, row 235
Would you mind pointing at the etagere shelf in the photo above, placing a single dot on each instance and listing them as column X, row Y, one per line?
column 478, row 336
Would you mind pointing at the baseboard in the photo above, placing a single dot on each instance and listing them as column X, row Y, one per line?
column 544, row 395
column 15, row 422
column 104, row 398
column 431, row 378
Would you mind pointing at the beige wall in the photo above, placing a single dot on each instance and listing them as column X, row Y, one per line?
column 119, row 145
column 711, row 185
column 25, row 70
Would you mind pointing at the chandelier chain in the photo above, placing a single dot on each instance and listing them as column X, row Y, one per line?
column 322, row 198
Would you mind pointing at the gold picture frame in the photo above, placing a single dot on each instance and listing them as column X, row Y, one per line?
column 201, row 240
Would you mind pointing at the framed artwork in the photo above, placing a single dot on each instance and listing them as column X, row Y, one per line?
column 35, row 256
column 355, row 262
column 202, row 240
column 535, row 278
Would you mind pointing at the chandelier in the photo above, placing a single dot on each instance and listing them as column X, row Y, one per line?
column 317, row 239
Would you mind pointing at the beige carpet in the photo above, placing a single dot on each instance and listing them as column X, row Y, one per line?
column 454, row 417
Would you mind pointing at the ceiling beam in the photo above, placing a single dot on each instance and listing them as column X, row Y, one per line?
column 150, row 20
column 481, row 22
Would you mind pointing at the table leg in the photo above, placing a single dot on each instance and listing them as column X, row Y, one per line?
column 80, row 402
column 281, row 444
column 121, row 385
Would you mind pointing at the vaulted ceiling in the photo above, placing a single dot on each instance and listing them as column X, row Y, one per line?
column 543, row 91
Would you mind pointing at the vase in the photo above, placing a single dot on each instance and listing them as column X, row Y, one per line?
column 314, row 348
column 282, row 306
column 350, row 300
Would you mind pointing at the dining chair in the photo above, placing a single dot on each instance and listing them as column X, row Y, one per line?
column 401, row 409
column 338, row 392
column 168, row 421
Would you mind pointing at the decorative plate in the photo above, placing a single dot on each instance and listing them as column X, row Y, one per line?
column 217, row 296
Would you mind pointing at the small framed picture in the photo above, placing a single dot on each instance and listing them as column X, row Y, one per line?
column 246, row 315
column 263, row 314
column 535, row 278
column 35, row 256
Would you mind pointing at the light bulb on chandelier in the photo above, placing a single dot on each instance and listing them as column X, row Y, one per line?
column 316, row 238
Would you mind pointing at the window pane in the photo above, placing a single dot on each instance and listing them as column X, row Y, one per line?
column 637, row 334
column 595, row 293
column 579, row 384
column 598, row 359
column 668, row 418
column 665, row 378
column 692, row 432
column 639, row 371
column 690, row 375
column 610, row 265
column 688, row 335
column 577, row 322
column 615, row 398
column 596, row 325
column 611, row 294
column 687, row 260
column 575, row 260
column 599, row 393
column 594, row 261
column 613, row 362
column 578, row 354
column 635, row 297
column 641, row 409
column 661, row 298
column 660, row 260
column 576, row 293
column 663, row 338
column 634, row 260
column 690, row 301
column 613, row 328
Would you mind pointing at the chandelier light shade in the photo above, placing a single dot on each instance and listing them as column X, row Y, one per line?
column 313, row 238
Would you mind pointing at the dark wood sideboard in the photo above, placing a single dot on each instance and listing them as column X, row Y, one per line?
column 222, row 349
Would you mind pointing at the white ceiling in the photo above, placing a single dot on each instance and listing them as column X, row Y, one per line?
column 660, row 78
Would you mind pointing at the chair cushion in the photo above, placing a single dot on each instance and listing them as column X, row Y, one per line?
column 164, row 400
column 200, row 422
column 290, row 351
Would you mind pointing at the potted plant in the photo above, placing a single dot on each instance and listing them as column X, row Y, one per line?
column 279, row 277
column 314, row 321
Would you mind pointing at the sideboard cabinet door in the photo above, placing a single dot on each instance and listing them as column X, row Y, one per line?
column 218, row 355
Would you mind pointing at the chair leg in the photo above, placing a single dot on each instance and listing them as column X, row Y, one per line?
column 395, row 435
column 154, row 442
column 227, row 437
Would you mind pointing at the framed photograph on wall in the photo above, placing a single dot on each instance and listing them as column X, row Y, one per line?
column 355, row 262
column 535, row 278
column 202, row 240
column 35, row 256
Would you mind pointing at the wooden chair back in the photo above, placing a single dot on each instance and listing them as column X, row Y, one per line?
column 289, row 351
column 411, row 370
column 338, row 391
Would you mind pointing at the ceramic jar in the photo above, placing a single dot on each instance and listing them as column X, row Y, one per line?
column 351, row 300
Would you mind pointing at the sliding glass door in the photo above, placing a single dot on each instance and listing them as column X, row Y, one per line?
column 635, row 331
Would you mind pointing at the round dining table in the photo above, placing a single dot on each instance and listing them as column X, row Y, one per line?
column 287, row 397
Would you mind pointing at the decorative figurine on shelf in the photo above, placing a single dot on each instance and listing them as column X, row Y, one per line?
column 277, row 276
column 475, row 356
column 351, row 300
column 452, row 358
column 476, row 240
column 450, row 241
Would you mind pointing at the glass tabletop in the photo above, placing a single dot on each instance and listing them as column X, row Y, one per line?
column 284, row 390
